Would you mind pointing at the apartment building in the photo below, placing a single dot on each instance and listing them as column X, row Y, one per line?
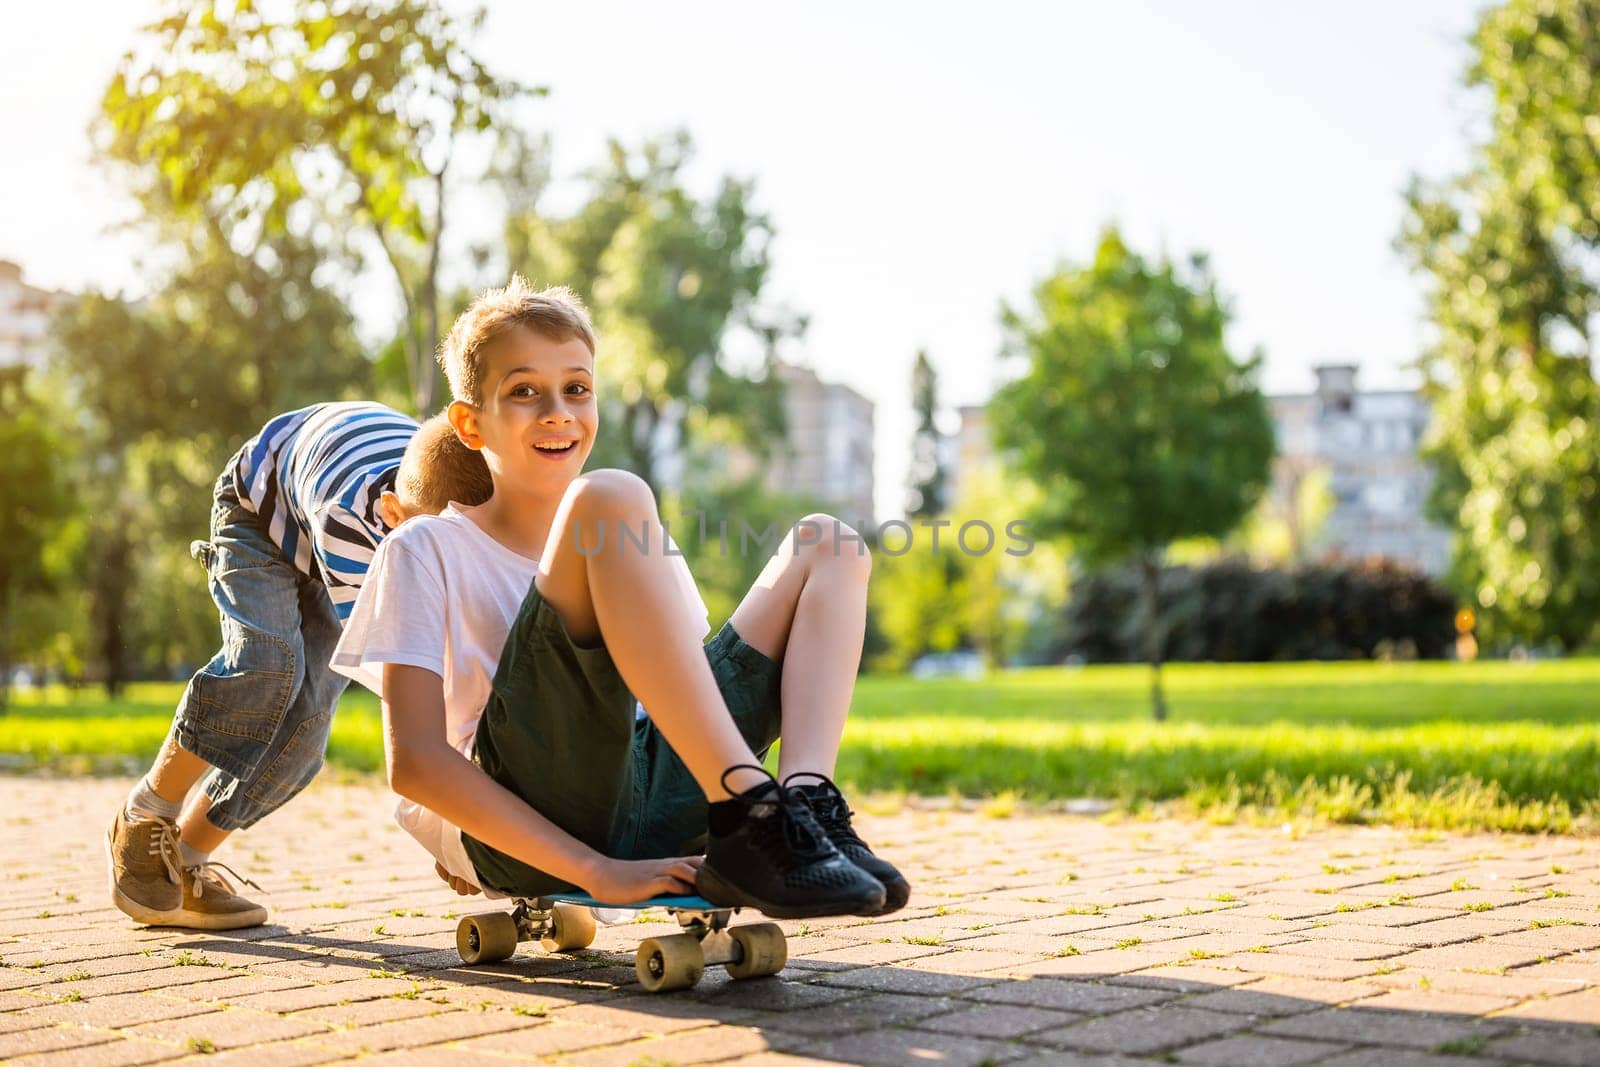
column 25, row 313
column 1367, row 441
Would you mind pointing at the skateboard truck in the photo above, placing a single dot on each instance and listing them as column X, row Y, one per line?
column 673, row 961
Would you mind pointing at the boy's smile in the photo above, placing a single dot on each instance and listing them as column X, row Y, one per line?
column 536, row 420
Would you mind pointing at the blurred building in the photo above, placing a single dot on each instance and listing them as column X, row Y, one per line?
column 827, row 454
column 971, row 461
column 1367, row 442
column 25, row 313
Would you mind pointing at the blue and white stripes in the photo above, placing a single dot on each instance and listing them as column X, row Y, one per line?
column 314, row 477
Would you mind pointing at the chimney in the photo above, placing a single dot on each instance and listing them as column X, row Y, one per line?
column 1336, row 388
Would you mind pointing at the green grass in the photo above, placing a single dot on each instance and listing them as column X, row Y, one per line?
column 1482, row 745
column 82, row 731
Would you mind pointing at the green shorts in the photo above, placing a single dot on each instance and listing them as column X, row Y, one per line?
column 559, row 731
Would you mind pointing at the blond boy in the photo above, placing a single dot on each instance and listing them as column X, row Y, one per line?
column 514, row 644
column 296, row 517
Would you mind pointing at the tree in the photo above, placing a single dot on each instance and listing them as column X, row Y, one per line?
column 329, row 116
column 37, row 500
column 1008, row 594
column 727, row 530
column 668, row 277
column 925, row 481
column 917, row 599
column 1508, row 251
column 166, row 390
column 1131, row 416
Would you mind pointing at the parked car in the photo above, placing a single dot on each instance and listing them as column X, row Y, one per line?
column 963, row 663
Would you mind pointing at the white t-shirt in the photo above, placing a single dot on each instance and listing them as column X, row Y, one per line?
column 442, row 594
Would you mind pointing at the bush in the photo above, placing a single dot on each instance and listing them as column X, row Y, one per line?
column 1228, row 611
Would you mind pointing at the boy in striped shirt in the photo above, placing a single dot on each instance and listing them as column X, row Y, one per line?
column 296, row 517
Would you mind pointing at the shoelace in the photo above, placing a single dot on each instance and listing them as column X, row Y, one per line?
column 164, row 843
column 806, row 840
column 206, row 874
column 831, row 809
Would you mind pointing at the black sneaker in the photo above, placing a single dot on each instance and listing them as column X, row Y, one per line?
column 767, row 852
column 833, row 815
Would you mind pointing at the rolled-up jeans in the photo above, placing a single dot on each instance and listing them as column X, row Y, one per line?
column 260, row 711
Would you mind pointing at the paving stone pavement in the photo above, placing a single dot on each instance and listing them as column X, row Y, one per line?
column 1030, row 940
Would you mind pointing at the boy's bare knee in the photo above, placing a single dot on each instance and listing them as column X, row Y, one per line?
column 827, row 538
column 612, row 492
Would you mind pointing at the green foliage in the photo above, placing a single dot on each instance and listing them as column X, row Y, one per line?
column 666, row 275
column 994, row 598
column 916, row 599
column 165, row 391
column 264, row 121
column 1009, row 595
column 1130, row 415
column 1508, row 250
column 720, row 528
column 154, row 368
column 37, row 501
column 1228, row 611
column 1278, row 531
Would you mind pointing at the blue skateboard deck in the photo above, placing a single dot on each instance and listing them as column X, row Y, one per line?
column 687, row 903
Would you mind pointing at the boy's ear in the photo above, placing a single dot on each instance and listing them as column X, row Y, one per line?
column 389, row 508
column 464, row 420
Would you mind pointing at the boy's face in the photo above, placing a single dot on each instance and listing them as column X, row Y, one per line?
column 536, row 419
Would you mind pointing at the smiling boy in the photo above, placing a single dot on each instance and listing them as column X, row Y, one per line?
column 514, row 643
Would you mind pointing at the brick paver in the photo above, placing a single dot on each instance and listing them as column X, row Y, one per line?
column 1034, row 939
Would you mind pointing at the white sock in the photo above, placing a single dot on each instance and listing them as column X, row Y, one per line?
column 145, row 801
column 190, row 857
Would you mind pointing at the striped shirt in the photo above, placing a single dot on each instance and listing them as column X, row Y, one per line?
column 314, row 477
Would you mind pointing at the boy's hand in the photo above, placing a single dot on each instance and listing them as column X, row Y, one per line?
column 627, row 881
column 460, row 885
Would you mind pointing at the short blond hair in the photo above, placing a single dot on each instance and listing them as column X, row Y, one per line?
column 437, row 469
column 556, row 313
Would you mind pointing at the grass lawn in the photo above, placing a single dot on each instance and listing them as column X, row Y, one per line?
column 1492, row 744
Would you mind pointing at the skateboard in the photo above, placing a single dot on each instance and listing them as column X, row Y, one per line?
column 562, row 922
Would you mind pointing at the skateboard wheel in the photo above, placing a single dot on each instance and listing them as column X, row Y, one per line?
column 571, row 926
column 487, row 938
column 667, row 963
column 763, row 950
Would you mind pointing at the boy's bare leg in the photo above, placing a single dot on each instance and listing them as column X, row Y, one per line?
column 172, row 777
column 175, row 771
column 143, row 849
column 195, row 830
column 632, row 597
column 808, row 611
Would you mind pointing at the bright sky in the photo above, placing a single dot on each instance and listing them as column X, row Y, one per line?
column 923, row 162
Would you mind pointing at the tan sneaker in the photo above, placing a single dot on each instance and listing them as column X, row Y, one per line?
column 211, row 903
column 142, row 862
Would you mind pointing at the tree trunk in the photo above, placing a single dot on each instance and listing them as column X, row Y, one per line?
column 111, row 606
column 1150, row 570
column 642, row 422
column 421, row 372
column 1296, row 539
column 5, row 645
column 426, row 377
